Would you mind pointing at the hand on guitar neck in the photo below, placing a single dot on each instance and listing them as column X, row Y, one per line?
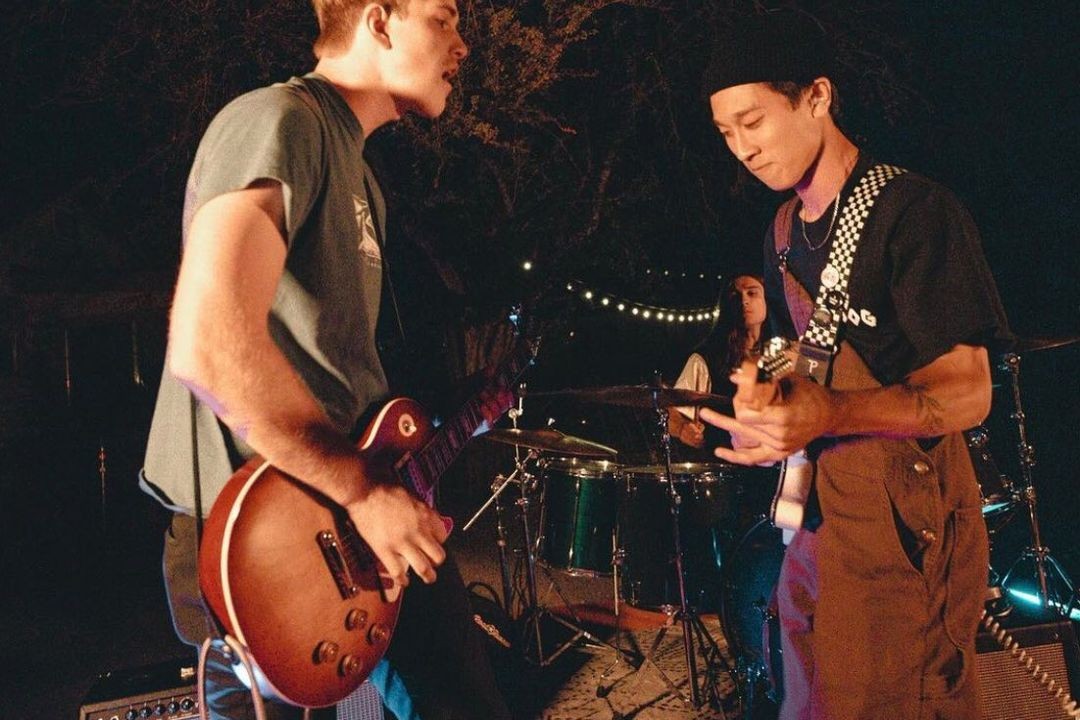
column 776, row 414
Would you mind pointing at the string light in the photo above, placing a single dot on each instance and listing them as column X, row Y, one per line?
column 642, row 310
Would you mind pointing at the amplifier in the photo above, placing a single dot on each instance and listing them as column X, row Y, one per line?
column 1008, row 689
column 164, row 691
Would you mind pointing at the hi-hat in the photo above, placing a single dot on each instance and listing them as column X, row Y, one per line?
column 641, row 396
column 549, row 440
column 1031, row 344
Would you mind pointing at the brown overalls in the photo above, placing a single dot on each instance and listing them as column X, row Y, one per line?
column 879, row 605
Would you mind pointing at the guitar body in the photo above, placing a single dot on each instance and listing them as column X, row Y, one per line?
column 787, row 509
column 286, row 574
column 789, row 503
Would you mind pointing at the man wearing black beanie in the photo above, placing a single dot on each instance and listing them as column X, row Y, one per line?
column 884, row 577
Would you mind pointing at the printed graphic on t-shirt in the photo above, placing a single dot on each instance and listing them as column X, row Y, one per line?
column 365, row 223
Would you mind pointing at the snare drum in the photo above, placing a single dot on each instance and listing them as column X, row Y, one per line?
column 708, row 495
column 577, row 517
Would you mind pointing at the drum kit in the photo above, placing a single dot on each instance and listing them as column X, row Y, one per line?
column 657, row 531
column 681, row 538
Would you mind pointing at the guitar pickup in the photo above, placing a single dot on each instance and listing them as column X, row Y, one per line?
column 337, row 563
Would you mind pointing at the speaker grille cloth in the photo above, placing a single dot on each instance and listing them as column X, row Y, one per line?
column 1008, row 690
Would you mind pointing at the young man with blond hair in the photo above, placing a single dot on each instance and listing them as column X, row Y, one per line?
column 272, row 332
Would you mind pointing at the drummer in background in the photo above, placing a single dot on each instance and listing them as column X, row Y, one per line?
column 735, row 337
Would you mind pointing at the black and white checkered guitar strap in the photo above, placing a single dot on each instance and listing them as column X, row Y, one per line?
column 818, row 343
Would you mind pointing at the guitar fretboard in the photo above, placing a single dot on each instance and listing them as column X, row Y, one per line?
column 421, row 472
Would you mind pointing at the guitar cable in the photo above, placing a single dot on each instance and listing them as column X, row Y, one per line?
column 1009, row 643
column 241, row 652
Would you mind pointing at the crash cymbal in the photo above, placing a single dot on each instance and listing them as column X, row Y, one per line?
column 641, row 396
column 550, row 440
column 1031, row 344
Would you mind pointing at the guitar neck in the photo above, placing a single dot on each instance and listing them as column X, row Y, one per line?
column 422, row 470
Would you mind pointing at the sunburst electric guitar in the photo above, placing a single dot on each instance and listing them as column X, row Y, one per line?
column 286, row 573
column 796, row 472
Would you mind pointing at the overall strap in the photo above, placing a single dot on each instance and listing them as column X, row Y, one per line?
column 818, row 342
column 799, row 303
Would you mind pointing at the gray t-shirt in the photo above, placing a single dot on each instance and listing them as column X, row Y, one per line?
column 324, row 311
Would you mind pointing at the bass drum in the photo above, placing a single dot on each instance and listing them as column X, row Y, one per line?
column 749, row 615
column 708, row 506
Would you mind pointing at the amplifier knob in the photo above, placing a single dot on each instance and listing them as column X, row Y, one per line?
column 146, row 712
column 159, row 709
column 174, row 707
column 187, row 704
column 131, row 714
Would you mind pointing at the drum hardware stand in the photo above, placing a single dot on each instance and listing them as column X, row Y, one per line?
column 497, row 487
column 693, row 629
column 1056, row 591
column 534, row 612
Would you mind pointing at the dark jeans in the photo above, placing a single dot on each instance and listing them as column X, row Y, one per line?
column 437, row 648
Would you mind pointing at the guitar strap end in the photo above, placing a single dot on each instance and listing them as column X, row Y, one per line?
column 813, row 362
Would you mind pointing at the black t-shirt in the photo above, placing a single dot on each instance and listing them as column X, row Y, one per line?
column 919, row 285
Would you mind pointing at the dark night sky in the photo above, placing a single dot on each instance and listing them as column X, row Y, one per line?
column 984, row 99
column 107, row 101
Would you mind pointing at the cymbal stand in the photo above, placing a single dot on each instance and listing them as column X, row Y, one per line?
column 1056, row 591
column 535, row 612
column 693, row 629
column 497, row 486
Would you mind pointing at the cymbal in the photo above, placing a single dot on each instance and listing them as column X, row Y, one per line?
column 550, row 440
column 1031, row 344
column 641, row 396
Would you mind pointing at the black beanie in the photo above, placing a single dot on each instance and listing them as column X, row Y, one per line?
column 775, row 46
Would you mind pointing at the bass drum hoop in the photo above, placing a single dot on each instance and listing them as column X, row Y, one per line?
column 757, row 650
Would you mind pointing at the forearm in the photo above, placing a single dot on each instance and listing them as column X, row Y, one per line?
column 950, row 394
column 683, row 428
column 257, row 394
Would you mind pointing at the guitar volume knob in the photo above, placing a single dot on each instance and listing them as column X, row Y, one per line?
column 378, row 634
column 351, row 665
column 356, row 619
column 326, row 651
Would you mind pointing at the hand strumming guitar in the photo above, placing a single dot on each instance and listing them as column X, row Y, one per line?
column 401, row 531
column 772, row 419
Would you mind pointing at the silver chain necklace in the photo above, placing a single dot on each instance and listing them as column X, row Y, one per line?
column 802, row 226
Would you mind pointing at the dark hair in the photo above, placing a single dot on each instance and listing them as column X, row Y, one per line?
column 794, row 92
column 724, row 348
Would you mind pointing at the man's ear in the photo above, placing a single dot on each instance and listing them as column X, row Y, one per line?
column 373, row 20
column 820, row 97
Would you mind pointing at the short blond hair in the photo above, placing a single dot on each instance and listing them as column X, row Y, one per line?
column 337, row 21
